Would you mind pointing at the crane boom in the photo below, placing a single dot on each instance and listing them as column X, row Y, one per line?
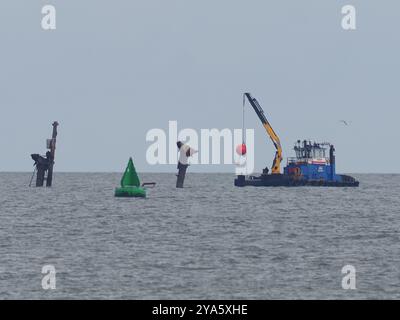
column 276, row 165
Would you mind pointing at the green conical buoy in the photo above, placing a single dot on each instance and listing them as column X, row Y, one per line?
column 130, row 183
column 130, row 177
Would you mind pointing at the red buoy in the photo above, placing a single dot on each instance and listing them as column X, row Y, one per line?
column 241, row 149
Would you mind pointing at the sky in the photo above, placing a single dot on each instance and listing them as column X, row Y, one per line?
column 113, row 70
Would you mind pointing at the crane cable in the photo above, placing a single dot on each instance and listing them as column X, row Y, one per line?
column 243, row 132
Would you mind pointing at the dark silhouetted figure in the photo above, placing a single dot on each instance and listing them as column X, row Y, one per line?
column 184, row 153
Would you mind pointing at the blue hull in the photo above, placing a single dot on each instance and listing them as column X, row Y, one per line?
column 282, row 180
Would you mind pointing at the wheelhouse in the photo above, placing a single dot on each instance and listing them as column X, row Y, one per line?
column 308, row 152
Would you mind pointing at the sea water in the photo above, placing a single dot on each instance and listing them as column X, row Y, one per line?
column 210, row 240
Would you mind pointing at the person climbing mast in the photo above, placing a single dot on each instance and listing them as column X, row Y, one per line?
column 185, row 151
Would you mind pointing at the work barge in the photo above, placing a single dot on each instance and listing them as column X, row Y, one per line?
column 313, row 165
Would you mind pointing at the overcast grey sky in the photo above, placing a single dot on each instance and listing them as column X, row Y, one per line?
column 112, row 70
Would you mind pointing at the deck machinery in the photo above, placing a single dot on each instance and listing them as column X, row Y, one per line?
column 314, row 164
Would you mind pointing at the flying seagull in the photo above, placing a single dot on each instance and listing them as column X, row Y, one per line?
column 344, row 122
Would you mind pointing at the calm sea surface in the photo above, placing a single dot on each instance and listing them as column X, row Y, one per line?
column 207, row 241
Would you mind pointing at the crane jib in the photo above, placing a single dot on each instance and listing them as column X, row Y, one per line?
column 257, row 108
column 274, row 137
column 260, row 113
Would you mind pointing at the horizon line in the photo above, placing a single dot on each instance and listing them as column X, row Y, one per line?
column 194, row 172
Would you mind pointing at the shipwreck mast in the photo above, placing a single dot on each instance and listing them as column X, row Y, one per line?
column 45, row 164
column 52, row 148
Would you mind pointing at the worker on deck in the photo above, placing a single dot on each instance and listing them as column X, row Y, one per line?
column 185, row 151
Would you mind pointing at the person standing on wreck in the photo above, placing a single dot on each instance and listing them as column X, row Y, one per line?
column 185, row 151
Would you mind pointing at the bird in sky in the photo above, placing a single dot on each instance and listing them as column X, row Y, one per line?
column 346, row 123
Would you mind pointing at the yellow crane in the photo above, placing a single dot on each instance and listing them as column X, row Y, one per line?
column 276, row 165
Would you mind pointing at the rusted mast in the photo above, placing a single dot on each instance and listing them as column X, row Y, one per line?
column 52, row 155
